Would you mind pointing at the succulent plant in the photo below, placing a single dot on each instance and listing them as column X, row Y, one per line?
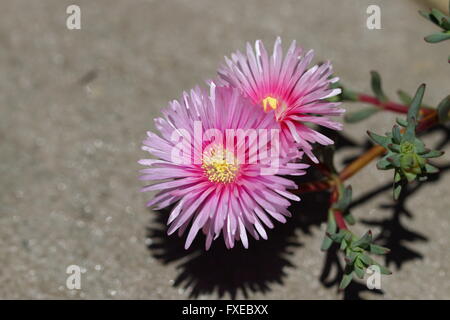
column 406, row 153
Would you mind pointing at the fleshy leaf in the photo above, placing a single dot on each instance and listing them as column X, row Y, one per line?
column 444, row 109
column 383, row 164
column 396, row 135
column 349, row 218
column 404, row 97
column 376, row 86
column 437, row 37
column 356, row 116
column 402, row 122
column 346, row 198
column 331, row 229
column 364, row 241
column 383, row 141
column 397, row 190
column 378, row 249
column 359, row 272
column 431, row 169
column 432, row 154
column 414, row 108
column 346, row 279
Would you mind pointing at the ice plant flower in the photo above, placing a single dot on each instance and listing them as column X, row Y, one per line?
column 211, row 186
column 286, row 85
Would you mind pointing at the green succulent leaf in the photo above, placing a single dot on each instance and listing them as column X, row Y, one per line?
column 401, row 122
column 420, row 146
column 351, row 257
column 337, row 237
column 404, row 97
column 356, row 116
column 396, row 135
column 359, row 272
column 365, row 259
column 445, row 23
column 345, row 199
column 413, row 110
column 326, row 243
column 343, row 245
column 376, row 86
column 394, row 159
column 431, row 169
column 349, row 218
column 364, row 241
column 413, row 113
column 381, row 140
column 428, row 16
column 444, row 109
column 346, row 279
column 437, row 37
column 331, row 229
column 373, row 248
column 394, row 147
column 383, row 270
column 383, row 164
column 438, row 16
column 397, row 190
column 432, row 154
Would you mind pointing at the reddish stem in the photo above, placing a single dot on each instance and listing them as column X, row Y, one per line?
column 389, row 105
column 314, row 186
column 340, row 221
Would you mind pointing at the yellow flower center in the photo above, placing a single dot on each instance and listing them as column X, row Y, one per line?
column 270, row 102
column 220, row 165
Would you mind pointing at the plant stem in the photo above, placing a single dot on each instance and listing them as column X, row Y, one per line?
column 361, row 162
column 334, row 197
column 340, row 221
column 390, row 105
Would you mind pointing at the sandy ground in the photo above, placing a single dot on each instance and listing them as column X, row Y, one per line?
column 75, row 106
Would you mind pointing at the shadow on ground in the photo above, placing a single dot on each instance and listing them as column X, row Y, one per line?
column 228, row 272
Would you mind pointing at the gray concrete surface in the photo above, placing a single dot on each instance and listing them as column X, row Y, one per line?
column 75, row 106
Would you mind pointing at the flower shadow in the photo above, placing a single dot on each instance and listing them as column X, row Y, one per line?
column 221, row 271
column 243, row 272
column 393, row 232
column 238, row 272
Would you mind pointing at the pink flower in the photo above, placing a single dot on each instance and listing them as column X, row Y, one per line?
column 214, row 187
column 286, row 85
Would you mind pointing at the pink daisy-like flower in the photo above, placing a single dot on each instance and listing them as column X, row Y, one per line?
column 214, row 187
column 286, row 85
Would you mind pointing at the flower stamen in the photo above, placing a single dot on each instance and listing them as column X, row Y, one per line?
column 220, row 165
column 269, row 102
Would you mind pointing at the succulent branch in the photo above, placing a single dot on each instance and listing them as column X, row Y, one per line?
column 441, row 20
column 406, row 153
